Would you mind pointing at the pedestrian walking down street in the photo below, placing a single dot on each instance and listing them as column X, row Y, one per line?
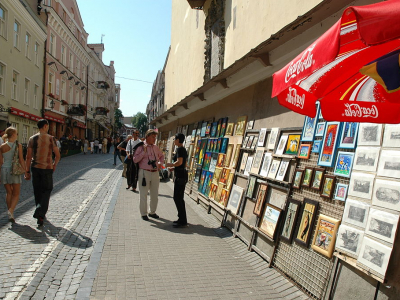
column 85, row 146
column 92, row 146
column 150, row 159
column 105, row 146
column 12, row 183
column 100, row 147
column 96, row 146
column 117, row 141
column 131, row 167
column 39, row 160
column 180, row 179
column 109, row 143
column 122, row 153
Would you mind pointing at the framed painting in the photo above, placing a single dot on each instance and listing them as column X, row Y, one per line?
column 391, row 138
column 235, row 156
column 250, row 141
column 344, row 164
column 298, row 178
column 245, row 141
column 316, row 147
column 370, row 134
column 328, row 185
column 197, row 174
column 349, row 239
column 213, row 162
column 270, row 220
column 340, row 191
column 307, row 219
column 277, row 196
column 218, row 145
column 282, row 144
column 266, row 164
column 235, row 198
column 228, row 157
column 208, row 129
column 293, row 143
column 219, row 192
column 224, row 197
column 212, row 192
column 203, row 129
column 260, row 198
column 224, row 145
column 230, row 181
column 250, row 124
column 374, row 255
column 241, row 125
column 317, row 178
column 386, row 194
column 389, row 164
column 207, row 184
column 223, row 127
column 382, row 225
column 202, row 152
column 261, row 137
column 348, row 137
column 197, row 152
column 249, row 163
column 213, row 132
column 207, row 161
column 329, row 143
column 257, row 160
column 202, row 180
column 366, row 158
column 217, row 175
column 282, row 169
column 319, row 131
column 219, row 127
column 356, row 212
column 309, row 128
column 254, row 143
column 304, row 151
column 308, row 176
column 250, row 186
column 361, row 185
column 229, row 129
column 274, row 168
column 221, row 160
column 243, row 162
column 224, row 175
column 273, row 138
column 290, row 221
column 325, row 235
column 209, row 145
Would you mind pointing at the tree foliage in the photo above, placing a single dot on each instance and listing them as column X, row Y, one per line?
column 118, row 118
column 139, row 121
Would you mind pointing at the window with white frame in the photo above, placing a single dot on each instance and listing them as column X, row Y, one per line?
column 63, row 55
column 52, row 44
column 3, row 22
column 2, row 78
column 51, row 84
column 26, row 91
column 14, row 89
column 17, row 32
column 71, row 62
column 37, row 54
column 25, row 130
column 35, row 96
column 27, row 45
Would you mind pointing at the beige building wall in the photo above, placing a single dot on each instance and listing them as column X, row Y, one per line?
column 185, row 67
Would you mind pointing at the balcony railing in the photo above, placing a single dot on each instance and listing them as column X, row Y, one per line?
column 76, row 110
column 102, row 111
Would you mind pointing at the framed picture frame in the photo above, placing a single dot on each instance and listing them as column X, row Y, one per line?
column 374, row 255
column 219, row 192
column 197, row 174
column 293, row 143
column 282, row 144
column 325, row 235
column 274, row 168
column 202, row 180
column 356, row 212
column 250, row 186
column 292, row 213
column 267, row 160
column 261, row 137
column 219, row 126
column 208, row 129
column 270, row 220
column 257, row 160
column 304, row 151
column 298, row 178
column 316, row 182
column 389, row 164
column 344, row 164
column 235, row 156
column 229, row 129
column 212, row 192
column 249, row 163
column 273, row 138
column 254, row 143
column 241, row 125
column 235, row 198
column 366, row 158
column 370, row 134
column 213, row 132
column 361, row 185
column 309, row 126
column 202, row 152
column 250, row 124
column 213, row 162
column 250, row 142
column 245, row 141
column 224, row 175
column 319, row 131
column 329, row 143
column 307, row 219
column 348, row 138
column 224, row 197
column 217, row 175
column 328, row 186
column 207, row 161
column 203, row 129
column 386, row 194
column 229, row 153
column 340, row 191
column 230, row 181
column 260, row 198
column 308, row 176
column 391, row 137
column 316, row 147
column 224, row 145
column 280, row 175
column 277, row 196
column 224, row 124
column 349, row 239
column 382, row 225
column 221, row 160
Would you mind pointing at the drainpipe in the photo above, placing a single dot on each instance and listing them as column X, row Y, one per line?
column 87, row 99
column 44, row 68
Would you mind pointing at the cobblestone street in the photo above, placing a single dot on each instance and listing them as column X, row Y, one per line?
column 94, row 245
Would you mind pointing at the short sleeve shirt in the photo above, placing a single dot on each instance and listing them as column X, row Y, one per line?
column 42, row 146
column 123, row 145
column 179, row 171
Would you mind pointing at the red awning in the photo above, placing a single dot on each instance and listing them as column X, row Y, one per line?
column 348, row 69
column 55, row 119
column 24, row 114
column 81, row 125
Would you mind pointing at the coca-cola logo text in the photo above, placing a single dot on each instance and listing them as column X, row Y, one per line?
column 295, row 99
column 305, row 61
column 356, row 110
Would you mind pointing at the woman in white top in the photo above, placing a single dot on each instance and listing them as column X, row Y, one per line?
column 12, row 183
column 91, row 146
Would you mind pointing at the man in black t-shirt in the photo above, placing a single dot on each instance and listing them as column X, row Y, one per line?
column 179, row 166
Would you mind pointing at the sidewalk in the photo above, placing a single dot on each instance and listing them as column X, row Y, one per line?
column 135, row 259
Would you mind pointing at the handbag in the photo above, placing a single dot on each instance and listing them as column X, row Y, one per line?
column 16, row 168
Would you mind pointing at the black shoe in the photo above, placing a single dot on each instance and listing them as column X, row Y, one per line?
column 40, row 221
column 154, row 216
column 145, row 218
column 128, row 187
column 179, row 225
column 175, row 222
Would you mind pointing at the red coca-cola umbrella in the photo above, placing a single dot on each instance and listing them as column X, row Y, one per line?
column 352, row 69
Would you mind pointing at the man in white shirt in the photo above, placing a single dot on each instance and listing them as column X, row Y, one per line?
column 132, row 168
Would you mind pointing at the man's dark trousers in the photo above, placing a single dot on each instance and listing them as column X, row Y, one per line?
column 42, row 181
column 131, row 173
column 179, row 193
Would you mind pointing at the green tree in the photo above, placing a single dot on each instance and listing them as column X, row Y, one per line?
column 118, row 119
column 139, row 121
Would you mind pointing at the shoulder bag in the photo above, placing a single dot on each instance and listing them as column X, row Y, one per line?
column 16, row 168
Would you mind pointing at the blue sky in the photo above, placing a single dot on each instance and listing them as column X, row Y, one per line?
column 137, row 36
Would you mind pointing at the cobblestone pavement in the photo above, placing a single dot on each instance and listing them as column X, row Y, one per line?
column 94, row 245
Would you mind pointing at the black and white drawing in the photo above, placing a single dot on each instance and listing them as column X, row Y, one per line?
column 257, row 160
column 282, row 169
column 261, row 139
column 361, row 185
column 374, row 255
column 273, row 136
column 349, row 239
column 386, row 194
column 356, row 212
column 266, row 164
column 369, row 134
column 391, row 138
column 249, row 163
column 389, row 164
column 235, row 198
column 382, row 225
column 281, row 144
column 366, row 159
column 274, row 168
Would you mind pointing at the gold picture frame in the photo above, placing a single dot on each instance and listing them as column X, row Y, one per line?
column 325, row 235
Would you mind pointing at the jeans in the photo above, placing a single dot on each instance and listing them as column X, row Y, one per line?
column 116, row 153
column 132, row 173
column 179, row 193
column 96, row 148
column 42, row 181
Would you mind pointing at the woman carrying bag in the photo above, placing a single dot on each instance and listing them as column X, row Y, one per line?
column 12, row 167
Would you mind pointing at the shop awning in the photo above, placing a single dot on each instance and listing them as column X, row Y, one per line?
column 353, row 69
column 24, row 114
column 55, row 119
